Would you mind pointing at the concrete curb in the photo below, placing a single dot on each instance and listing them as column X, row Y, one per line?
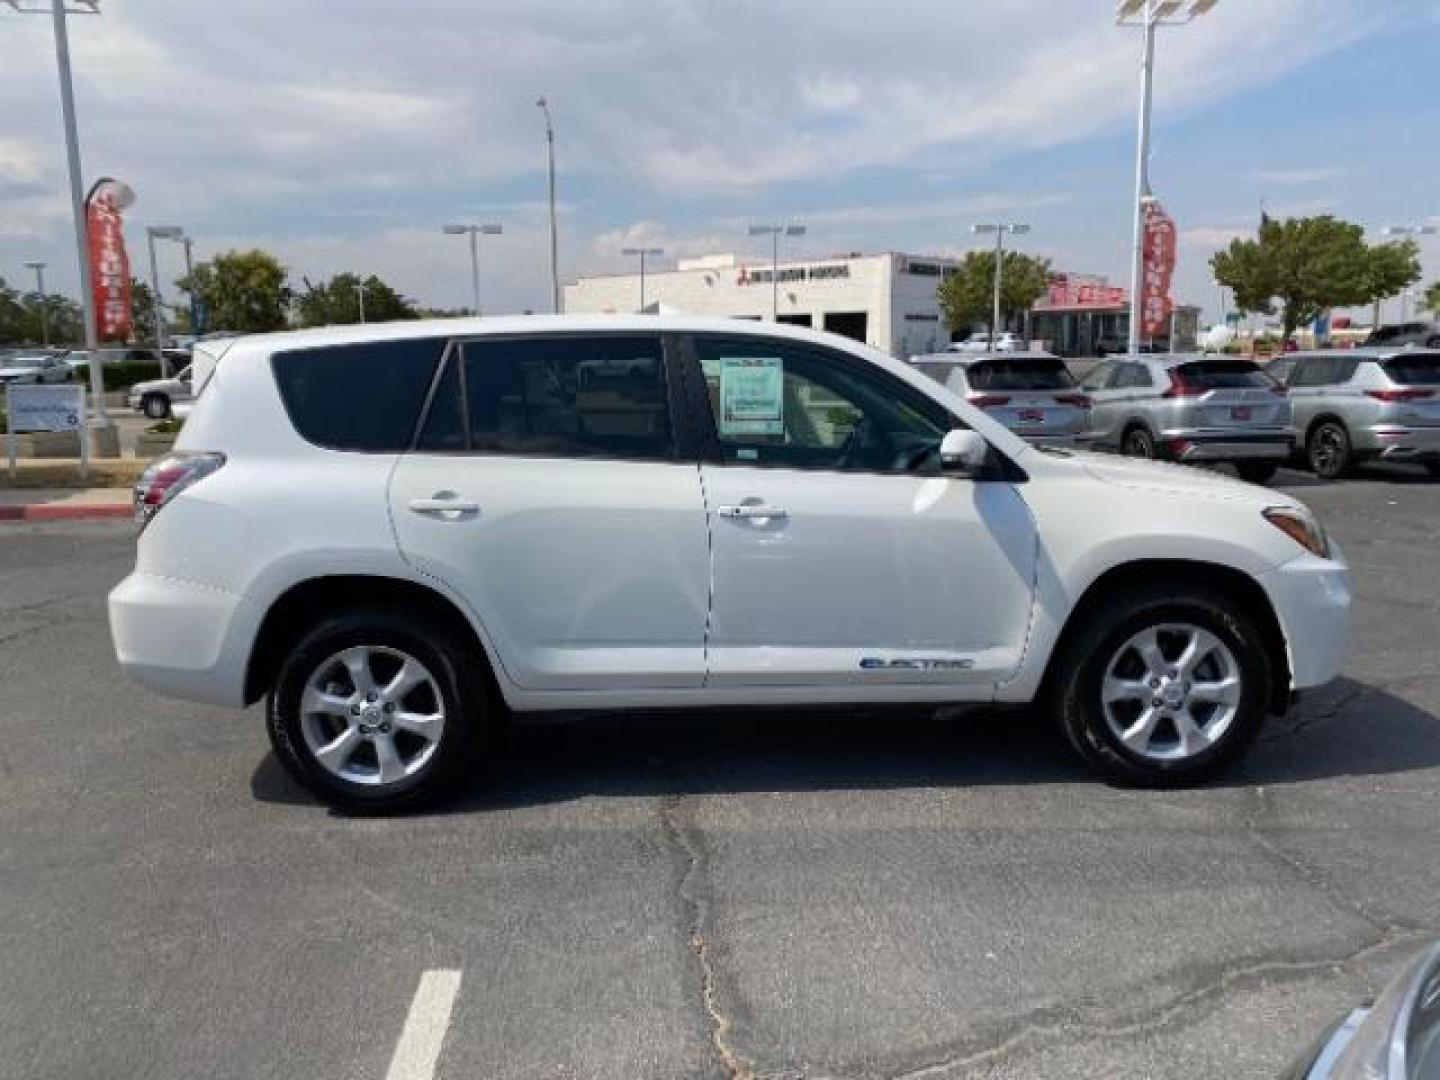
column 65, row 512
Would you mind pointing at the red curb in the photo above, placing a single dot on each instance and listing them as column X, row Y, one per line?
column 64, row 512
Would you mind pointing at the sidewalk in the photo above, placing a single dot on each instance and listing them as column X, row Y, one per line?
column 63, row 504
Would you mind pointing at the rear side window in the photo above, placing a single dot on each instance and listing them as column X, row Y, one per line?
column 1021, row 375
column 568, row 396
column 1224, row 375
column 1421, row 369
column 364, row 397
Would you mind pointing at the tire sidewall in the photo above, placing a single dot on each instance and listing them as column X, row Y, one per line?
column 1345, row 450
column 1082, row 711
column 1138, row 443
column 155, row 407
column 463, row 699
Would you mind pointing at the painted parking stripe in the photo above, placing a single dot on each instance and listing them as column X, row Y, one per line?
column 420, row 1041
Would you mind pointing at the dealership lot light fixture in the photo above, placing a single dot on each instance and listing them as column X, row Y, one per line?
column 643, row 252
column 775, row 232
column 474, row 232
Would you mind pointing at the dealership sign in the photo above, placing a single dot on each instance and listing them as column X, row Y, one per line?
column 109, row 265
column 1157, row 269
column 39, row 407
column 1081, row 291
column 825, row 272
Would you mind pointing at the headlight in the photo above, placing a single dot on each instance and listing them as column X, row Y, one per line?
column 1300, row 527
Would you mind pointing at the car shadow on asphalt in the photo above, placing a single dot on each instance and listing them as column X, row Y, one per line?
column 1345, row 729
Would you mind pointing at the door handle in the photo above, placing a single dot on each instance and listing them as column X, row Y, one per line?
column 444, row 502
column 751, row 510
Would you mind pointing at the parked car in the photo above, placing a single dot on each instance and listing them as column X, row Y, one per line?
column 1408, row 333
column 34, row 368
column 394, row 533
column 1366, row 404
column 1005, row 341
column 1192, row 408
column 1396, row 1038
column 1031, row 393
column 158, row 398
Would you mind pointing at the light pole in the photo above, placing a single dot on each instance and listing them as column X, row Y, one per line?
column 642, row 252
column 775, row 232
column 153, row 233
column 1148, row 15
column 190, row 278
column 360, row 296
column 544, row 106
column 474, row 231
column 39, row 268
column 999, row 228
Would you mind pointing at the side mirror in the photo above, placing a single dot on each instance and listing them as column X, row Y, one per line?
column 963, row 450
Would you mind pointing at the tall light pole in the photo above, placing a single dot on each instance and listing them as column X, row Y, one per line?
column 544, row 106
column 643, row 252
column 39, row 268
column 190, row 290
column 360, row 296
column 1148, row 15
column 999, row 228
column 153, row 233
column 775, row 232
column 474, row 231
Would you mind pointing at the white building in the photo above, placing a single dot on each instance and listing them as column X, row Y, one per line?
column 887, row 300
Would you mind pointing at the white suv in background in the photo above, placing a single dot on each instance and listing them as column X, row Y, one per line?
column 398, row 534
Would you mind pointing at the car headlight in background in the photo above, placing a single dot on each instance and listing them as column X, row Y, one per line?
column 1300, row 527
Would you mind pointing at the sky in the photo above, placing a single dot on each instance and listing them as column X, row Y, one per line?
column 342, row 136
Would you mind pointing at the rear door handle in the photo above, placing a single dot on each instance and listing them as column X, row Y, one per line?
column 444, row 503
column 751, row 510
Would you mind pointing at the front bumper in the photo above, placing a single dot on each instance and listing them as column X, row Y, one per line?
column 183, row 639
column 1311, row 598
column 1204, row 445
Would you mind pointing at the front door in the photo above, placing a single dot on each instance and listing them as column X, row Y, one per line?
column 545, row 489
column 843, row 555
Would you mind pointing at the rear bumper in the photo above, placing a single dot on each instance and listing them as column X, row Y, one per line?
column 1076, row 440
column 1396, row 443
column 1311, row 598
column 1207, row 445
column 182, row 639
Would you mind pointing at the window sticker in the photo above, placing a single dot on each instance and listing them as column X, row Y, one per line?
column 752, row 397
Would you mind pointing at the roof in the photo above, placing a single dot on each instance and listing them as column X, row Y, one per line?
column 1369, row 352
column 964, row 358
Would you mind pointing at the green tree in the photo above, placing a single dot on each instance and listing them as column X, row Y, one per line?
column 337, row 301
column 1431, row 301
column 967, row 293
column 1308, row 265
column 243, row 291
column 29, row 318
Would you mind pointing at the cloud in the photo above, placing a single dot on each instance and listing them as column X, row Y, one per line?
column 1316, row 175
column 1215, row 236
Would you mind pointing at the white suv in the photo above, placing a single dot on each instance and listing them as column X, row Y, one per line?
column 399, row 534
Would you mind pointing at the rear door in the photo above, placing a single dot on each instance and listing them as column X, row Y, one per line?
column 1035, row 397
column 546, row 488
column 1232, row 393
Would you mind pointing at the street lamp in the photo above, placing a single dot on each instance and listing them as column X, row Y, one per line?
column 153, row 233
column 999, row 228
column 360, row 296
column 39, row 268
column 775, row 232
column 474, row 231
column 544, row 106
column 642, row 252
column 1148, row 15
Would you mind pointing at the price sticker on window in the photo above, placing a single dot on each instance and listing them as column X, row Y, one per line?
column 752, row 395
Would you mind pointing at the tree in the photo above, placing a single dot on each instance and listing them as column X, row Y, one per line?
column 337, row 301
column 28, row 318
column 1431, row 302
column 967, row 293
column 1311, row 264
column 243, row 291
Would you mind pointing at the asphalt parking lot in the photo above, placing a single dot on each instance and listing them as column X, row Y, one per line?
column 796, row 895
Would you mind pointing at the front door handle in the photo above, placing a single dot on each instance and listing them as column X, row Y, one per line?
column 446, row 503
column 751, row 510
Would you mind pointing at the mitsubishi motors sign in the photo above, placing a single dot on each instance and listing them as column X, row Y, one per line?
column 1157, row 269
column 109, row 264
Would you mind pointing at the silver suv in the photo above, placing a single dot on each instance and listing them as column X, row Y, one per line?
column 1031, row 393
column 1194, row 409
column 1380, row 404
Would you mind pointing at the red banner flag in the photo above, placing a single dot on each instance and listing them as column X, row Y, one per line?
column 109, row 266
column 1159, row 267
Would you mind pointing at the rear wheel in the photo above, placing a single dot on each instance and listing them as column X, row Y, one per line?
column 1138, row 442
column 1163, row 687
column 155, row 406
column 375, row 711
column 1434, row 468
column 1327, row 450
column 1256, row 472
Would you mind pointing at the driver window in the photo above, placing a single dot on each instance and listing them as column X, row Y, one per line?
column 789, row 406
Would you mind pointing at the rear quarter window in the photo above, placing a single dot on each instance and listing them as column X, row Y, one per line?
column 364, row 397
column 1421, row 369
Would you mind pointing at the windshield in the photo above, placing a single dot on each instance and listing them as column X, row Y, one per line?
column 1021, row 374
column 1224, row 375
column 1421, row 369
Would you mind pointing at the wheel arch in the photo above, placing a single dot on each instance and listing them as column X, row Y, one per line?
column 1328, row 417
column 298, row 608
column 1209, row 576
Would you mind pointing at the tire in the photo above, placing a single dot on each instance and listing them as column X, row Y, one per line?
column 1138, row 442
column 1161, row 758
column 1327, row 450
column 454, row 689
column 1256, row 472
column 155, row 406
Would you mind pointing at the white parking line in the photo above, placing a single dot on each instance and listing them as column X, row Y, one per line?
column 420, row 1041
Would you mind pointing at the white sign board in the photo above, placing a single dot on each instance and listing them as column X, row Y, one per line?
column 45, row 408
column 752, row 395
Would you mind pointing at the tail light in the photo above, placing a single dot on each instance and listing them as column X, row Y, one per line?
column 1080, row 401
column 988, row 401
column 1180, row 387
column 1393, row 396
column 166, row 478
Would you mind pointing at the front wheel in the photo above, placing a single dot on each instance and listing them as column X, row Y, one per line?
column 1139, row 443
column 156, row 406
column 1256, row 472
column 1163, row 687
column 374, row 711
